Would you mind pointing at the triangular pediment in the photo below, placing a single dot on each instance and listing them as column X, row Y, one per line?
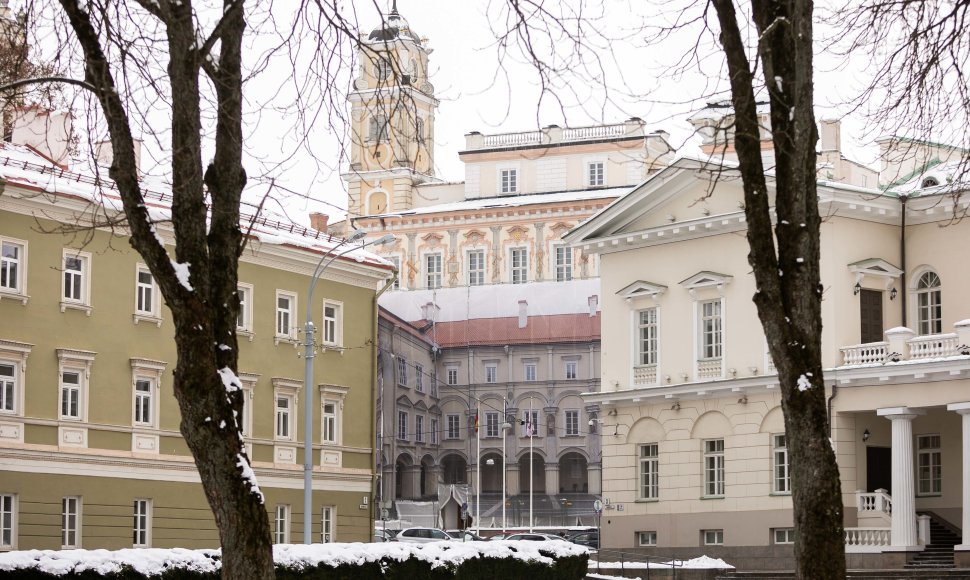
column 404, row 401
column 421, row 406
column 705, row 279
column 642, row 288
column 875, row 267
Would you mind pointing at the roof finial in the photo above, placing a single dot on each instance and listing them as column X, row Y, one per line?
column 394, row 7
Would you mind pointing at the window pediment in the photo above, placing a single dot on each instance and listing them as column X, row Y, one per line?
column 284, row 384
column 642, row 288
column 875, row 267
column 706, row 279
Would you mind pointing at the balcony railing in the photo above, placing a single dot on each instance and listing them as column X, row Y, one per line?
column 553, row 134
column 867, row 539
column 903, row 344
column 644, row 375
column 865, row 354
column 934, row 346
column 513, row 139
column 595, row 132
column 878, row 501
column 710, row 368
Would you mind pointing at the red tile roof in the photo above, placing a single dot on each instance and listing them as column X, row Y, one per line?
column 539, row 329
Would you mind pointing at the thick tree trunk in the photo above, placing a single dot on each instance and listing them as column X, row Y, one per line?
column 789, row 292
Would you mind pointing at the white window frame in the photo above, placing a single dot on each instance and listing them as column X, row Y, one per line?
column 286, row 318
column 649, row 471
column 328, row 524
column 418, row 428
column 83, row 286
column 713, row 537
column 647, row 538
column 79, row 362
column 780, row 467
column 491, row 372
column 144, row 412
column 453, row 426
column 571, row 370
column 328, row 433
column 396, row 260
column 929, row 465
column 710, row 343
column 244, row 320
column 530, row 371
column 595, row 173
column 562, row 256
column 72, row 407
column 8, row 521
column 929, row 305
column 14, row 354
column 142, row 523
column 518, row 269
column 18, row 287
column 507, row 180
column 491, row 425
column 332, row 331
column 452, row 375
column 10, row 387
column 535, row 423
column 713, row 468
column 288, row 390
column 332, row 395
column 419, row 377
column 433, row 270
column 402, row 425
column 402, row 371
column 476, row 266
column 147, row 297
column 783, row 535
column 433, row 429
column 647, row 321
column 71, row 522
column 248, row 381
column 571, row 422
column 281, row 524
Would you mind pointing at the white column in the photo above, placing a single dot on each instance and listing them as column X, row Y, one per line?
column 904, row 536
column 964, row 409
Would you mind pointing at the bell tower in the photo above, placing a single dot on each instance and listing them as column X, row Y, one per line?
column 392, row 120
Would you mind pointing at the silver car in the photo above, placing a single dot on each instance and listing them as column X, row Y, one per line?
column 533, row 537
column 422, row 536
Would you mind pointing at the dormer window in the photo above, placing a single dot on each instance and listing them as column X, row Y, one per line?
column 930, row 182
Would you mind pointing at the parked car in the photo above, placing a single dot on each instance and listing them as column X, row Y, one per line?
column 588, row 539
column 464, row 536
column 422, row 536
column 533, row 537
column 500, row 536
column 383, row 535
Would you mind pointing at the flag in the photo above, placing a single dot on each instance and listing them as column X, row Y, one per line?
column 529, row 427
column 476, row 421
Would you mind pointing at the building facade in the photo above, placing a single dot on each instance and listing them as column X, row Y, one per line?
column 694, row 452
column 89, row 426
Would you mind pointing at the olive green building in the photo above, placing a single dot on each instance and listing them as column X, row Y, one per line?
column 90, row 450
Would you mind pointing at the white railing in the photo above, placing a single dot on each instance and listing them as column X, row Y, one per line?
column 507, row 139
column 878, row 501
column 863, row 354
column 867, row 539
column 597, row 132
column 645, row 375
column 933, row 346
column 710, row 368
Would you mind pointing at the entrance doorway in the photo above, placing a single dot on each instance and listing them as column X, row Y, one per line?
column 879, row 469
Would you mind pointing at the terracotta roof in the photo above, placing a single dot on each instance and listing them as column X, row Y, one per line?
column 539, row 330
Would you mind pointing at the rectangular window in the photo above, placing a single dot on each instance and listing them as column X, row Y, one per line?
column 529, row 371
column 281, row 528
column 328, row 524
column 595, row 173
column 71, row 395
column 76, row 280
column 71, row 522
column 143, row 401
column 452, row 376
column 284, row 417
column 454, row 426
column 491, row 424
column 572, row 423
column 13, row 259
column 713, row 537
column 930, row 465
column 434, row 431
column 783, row 535
column 141, row 529
column 476, row 267
column 396, row 260
column 244, row 319
column 402, row 425
column 330, row 422
column 285, row 315
column 491, row 373
column 779, row 455
column 509, row 180
column 647, row 538
column 377, row 128
column 711, row 330
column 8, row 387
column 432, row 271
column 519, row 265
column 647, row 337
column 650, row 471
column 333, row 323
column 564, row 263
column 402, row 371
column 572, row 369
column 145, row 293
column 419, row 428
column 418, row 378
column 714, row 468
column 530, row 423
column 8, row 524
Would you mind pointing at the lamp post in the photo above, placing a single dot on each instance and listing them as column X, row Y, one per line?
column 308, row 377
column 505, row 426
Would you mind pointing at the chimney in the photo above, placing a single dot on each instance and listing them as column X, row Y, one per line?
column 429, row 312
column 104, row 154
column 318, row 221
column 593, row 302
column 48, row 132
column 831, row 135
column 523, row 313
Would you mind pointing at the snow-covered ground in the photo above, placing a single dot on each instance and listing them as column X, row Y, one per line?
column 700, row 562
column 153, row 561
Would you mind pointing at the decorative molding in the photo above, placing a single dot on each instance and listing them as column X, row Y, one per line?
column 641, row 288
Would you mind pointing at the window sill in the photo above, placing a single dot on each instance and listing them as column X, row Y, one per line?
column 23, row 298
column 76, row 306
column 156, row 320
column 285, row 340
column 647, row 500
column 934, row 494
column 403, row 386
column 706, row 497
column 245, row 332
column 334, row 347
column 781, row 493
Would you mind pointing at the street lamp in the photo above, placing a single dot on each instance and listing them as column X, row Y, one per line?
column 308, row 377
column 505, row 426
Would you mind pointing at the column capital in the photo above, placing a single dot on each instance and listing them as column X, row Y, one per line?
column 900, row 413
column 962, row 408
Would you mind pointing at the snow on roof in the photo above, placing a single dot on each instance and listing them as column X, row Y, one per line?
column 495, row 300
column 23, row 166
column 513, row 201
column 935, row 178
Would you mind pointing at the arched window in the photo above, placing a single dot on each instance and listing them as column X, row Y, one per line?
column 419, row 129
column 930, row 182
column 929, row 304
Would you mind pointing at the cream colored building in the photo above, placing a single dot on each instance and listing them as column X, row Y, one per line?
column 90, row 450
column 694, row 454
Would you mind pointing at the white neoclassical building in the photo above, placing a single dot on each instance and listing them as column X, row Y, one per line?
column 694, row 453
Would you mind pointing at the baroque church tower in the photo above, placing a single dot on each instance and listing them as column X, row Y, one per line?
column 392, row 120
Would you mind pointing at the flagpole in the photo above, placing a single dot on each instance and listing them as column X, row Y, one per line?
column 505, row 421
column 532, row 431
column 478, row 474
